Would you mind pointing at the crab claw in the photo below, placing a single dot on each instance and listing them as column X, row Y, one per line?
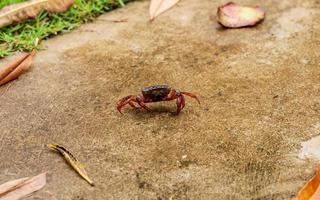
column 119, row 109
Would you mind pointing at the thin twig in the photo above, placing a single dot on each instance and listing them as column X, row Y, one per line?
column 114, row 20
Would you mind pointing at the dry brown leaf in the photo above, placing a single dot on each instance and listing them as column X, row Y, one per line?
column 20, row 188
column 17, row 68
column 75, row 164
column 157, row 7
column 57, row 6
column 30, row 9
column 233, row 16
column 311, row 190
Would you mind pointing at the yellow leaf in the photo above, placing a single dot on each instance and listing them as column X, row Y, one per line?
column 75, row 164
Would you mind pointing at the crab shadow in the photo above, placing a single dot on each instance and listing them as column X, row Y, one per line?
column 156, row 111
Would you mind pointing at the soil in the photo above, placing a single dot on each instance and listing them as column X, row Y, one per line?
column 259, row 90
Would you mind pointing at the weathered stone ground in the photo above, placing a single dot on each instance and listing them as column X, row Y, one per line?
column 259, row 89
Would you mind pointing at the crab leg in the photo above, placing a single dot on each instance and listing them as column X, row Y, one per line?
column 124, row 101
column 143, row 106
column 191, row 95
column 133, row 105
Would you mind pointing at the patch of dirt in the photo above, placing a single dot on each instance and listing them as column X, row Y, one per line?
column 259, row 101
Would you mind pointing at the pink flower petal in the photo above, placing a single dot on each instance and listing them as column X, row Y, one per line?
column 233, row 16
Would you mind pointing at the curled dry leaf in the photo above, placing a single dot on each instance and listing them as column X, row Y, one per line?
column 157, row 7
column 30, row 9
column 20, row 188
column 233, row 16
column 311, row 190
column 75, row 164
column 17, row 68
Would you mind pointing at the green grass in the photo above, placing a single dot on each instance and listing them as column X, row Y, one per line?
column 22, row 36
column 7, row 2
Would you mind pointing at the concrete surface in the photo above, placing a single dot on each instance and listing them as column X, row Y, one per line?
column 259, row 89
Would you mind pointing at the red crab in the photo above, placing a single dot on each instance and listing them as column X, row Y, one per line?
column 155, row 93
